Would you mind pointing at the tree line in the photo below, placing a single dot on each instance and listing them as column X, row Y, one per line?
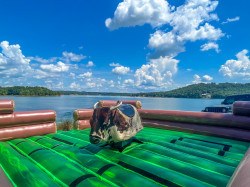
column 220, row 90
column 27, row 91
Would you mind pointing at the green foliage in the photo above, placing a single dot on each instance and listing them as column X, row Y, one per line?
column 65, row 125
column 27, row 91
column 220, row 90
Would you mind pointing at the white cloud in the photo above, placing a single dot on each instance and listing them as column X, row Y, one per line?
column 91, row 84
column 113, row 64
column 59, row 85
column 96, row 83
column 157, row 73
column 15, row 69
column 90, row 64
column 12, row 61
column 66, row 57
column 128, row 82
column 138, row 12
column 189, row 22
column 72, row 57
column 40, row 74
column 111, row 83
column 210, row 45
column 72, row 75
column 11, row 72
column 42, row 60
column 54, row 85
column 74, row 66
column 204, row 79
column 48, row 81
column 102, row 80
column 197, row 79
column 121, row 70
column 237, row 68
column 86, row 75
column 237, row 18
column 207, row 78
column 59, row 67
column 205, row 32
column 165, row 44
column 12, row 54
column 75, row 86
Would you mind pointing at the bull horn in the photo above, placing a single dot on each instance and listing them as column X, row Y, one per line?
column 96, row 105
column 117, row 106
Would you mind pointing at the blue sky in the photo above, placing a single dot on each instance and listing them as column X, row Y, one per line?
column 123, row 46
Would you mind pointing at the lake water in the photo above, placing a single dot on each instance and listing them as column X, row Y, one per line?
column 65, row 105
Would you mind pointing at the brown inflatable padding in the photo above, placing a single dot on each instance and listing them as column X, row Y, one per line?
column 219, row 131
column 82, row 124
column 205, row 118
column 27, row 131
column 4, row 181
column 241, row 176
column 108, row 103
column 82, row 114
column 241, row 108
column 24, row 118
column 6, row 106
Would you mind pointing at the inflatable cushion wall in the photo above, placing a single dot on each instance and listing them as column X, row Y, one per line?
column 203, row 118
column 108, row 103
column 241, row 108
column 24, row 124
column 6, row 106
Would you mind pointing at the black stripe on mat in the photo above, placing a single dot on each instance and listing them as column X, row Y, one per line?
column 20, row 142
column 221, row 153
column 92, row 148
column 225, row 148
column 55, row 146
column 156, row 178
column 64, row 141
column 39, row 139
column 104, row 168
column 83, row 147
column 173, row 141
column 36, row 151
column 80, row 179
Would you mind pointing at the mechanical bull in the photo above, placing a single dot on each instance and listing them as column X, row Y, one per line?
column 114, row 125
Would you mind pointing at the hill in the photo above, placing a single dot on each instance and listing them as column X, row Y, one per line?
column 220, row 90
column 27, row 91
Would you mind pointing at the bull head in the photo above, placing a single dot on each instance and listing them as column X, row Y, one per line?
column 98, row 122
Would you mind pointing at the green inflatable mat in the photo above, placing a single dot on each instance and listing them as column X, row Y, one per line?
column 164, row 158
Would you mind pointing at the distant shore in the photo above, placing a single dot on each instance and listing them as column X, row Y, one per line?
column 202, row 90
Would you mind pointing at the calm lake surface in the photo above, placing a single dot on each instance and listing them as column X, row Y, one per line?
column 65, row 105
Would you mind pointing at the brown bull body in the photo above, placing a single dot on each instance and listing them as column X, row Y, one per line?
column 114, row 124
